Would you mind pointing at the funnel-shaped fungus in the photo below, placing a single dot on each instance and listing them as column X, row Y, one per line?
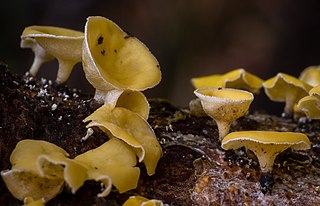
column 311, row 75
column 131, row 100
column 266, row 145
column 310, row 105
column 48, row 42
column 113, row 59
column 132, row 129
column 237, row 79
column 224, row 105
column 141, row 201
column 40, row 168
column 113, row 160
column 286, row 88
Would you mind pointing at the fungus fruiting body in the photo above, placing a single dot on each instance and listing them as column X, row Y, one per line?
column 142, row 201
column 266, row 145
column 224, row 105
column 286, row 88
column 237, row 79
column 311, row 75
column 310, row 105
column 131, row 128
column 48, row 43
column 112, row 59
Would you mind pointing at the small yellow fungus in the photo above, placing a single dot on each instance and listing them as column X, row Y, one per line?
column 266, row 145
column 48, row 41
column 132, row 129
column 28, row 201
column 224, row 105
column 310, row 105
column 237, row 79
column 142, row 201
column 286, row 88
column 113, row 59
column 311, row 75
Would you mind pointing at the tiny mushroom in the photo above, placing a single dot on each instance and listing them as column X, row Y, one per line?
column 131, row 128
column 224, row 105
column 311, row 75
column 115, row 60
column 237, row 79
column 141, row 201
column 286, row 88
column 48, row 42
column 266, row 145
column 310, row 105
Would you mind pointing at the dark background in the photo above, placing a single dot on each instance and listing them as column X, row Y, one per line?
column 188, row 37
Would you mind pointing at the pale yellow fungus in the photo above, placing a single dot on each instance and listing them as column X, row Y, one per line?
column 286, row 88
column 28, row 201
column 113, row 59
column 132, row 129
column 142, row 201
column 237, row 79
column 48, row 42
column 311, row 75
column 224, row 105
column 266, row 145
column 310, row 105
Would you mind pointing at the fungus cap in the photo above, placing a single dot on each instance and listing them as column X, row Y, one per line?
column 237, row 79
column 224, row 105
column 113, row 59
column 141, row 201
column 311, row 75
column 131, row 128
column 48, row 41
column 310, row 106
column 286, row 88
column 266, row 145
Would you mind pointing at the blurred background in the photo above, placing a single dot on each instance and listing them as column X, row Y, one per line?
column 190, row 38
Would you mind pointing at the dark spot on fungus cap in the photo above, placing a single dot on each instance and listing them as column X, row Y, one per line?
column 103, row 52
column 100, row 40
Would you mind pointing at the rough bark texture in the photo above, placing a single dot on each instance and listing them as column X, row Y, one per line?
column 194, row 170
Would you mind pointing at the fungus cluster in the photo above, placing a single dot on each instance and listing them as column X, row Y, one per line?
column 120, row 67
column 225, row 105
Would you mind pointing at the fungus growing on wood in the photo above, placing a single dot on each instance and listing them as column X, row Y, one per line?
column 237, row 79
column 224, row 105
column 311, row 75
column 130, row 127
column 141, row 201
column 48, row 42
column 115, row 60
column 40, row 168
column 286, row 88
column 266, row 145
column 310, row 105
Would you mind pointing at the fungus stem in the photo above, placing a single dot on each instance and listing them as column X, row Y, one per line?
column 37, row 62
column 64, row 71
column 223, row 128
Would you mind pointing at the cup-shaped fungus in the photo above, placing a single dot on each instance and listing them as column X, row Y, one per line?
column 130, row 127
column 141, row 201
column 224, row 105
column 48, row 42
column 113, row 59
column 311, row 75
column 286, row 88
column 266, row 145
column 310, row 105
column 237, row 79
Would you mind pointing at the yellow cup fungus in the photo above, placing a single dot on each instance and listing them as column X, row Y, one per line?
column 266, row 145
column 48, row 42
column 311, row 75
column 39, row 169
column 113, row 59
column 237, row 79
column 224, row 105
column 286, row 88
column 131, row 128
column 310, row 105
column 141, row 201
